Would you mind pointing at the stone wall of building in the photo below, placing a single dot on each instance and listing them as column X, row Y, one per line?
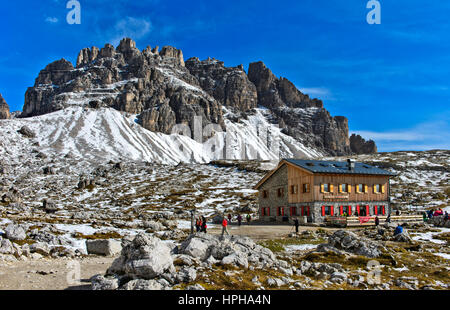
column 278, row 180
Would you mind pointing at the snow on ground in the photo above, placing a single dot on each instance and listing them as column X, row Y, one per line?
column 428, row 236
column 300, row 247
column 444, row 255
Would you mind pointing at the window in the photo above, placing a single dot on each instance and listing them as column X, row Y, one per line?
column 362, row 188
column 381, row 210
column 377, row 188
column 265, row 194
column 293, row 211
column 306, row 187
column 280, row 211
column 359, row 188
column 343, row 188
column 326, row 188
column 294, row 189
column 345, row 210
column 327, row 210
column 280, row 192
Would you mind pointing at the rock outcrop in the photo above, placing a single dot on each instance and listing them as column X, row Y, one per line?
column 163, row 90
column 300, row 116
column 359, row 145
column 146, row 263
column 4, row 109
column 350, row 242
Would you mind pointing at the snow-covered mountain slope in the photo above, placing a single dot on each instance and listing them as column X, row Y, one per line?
column 108, row 134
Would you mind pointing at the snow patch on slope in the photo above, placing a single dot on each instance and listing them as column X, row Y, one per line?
column 112, row 135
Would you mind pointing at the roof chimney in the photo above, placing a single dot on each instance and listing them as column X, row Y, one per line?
column 351, row 164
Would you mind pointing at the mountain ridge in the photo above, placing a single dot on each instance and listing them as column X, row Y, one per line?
column 164, row 90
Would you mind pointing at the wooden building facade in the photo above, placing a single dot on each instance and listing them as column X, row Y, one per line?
column 317, row 189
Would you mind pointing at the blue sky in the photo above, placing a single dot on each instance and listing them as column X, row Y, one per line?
column 391, row 80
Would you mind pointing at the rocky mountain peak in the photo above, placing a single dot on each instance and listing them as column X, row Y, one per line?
column 163, row 90
column 4, row 109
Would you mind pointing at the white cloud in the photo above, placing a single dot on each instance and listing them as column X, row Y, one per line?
column 51, row 20
column 134, row 28
column 317, row 92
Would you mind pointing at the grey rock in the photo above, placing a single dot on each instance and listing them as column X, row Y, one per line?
column 15, row 232
column 141, row 285
column 102, row 283
column 146, row 257
column 27, row 132
column 106, row 247
column 41, row 248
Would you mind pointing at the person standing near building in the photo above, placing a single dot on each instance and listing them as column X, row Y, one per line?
column 377, row 221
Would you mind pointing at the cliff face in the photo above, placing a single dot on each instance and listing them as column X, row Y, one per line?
column 4, row 109
column 163, row 90
column 302, row 117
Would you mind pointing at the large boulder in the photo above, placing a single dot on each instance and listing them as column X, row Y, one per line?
column 15, row 232
column 234, row 250
column 403, row 237
column 105, row 247
column 6, row 247
column 350, row 242
column 146, row 257
column 26, row 132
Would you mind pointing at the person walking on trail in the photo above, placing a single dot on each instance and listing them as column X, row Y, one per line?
column 296, row 224
column 377, row 221
column 204, row 226
column 229, row 218
column 249, row 218
column 239, row 219
column 225, row 227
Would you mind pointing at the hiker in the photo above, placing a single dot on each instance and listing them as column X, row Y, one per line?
column 198, row 224
column 446, row 216
column 388, row 219
column 377, row 221
column 397, row 212
column 439, row 212
column 425, row 216
column 296, row 224
column 249, row 218
column 398, row 230
column 224, row 227
column 204, row 226
column 430, row 214
column 239, row 219
column 229, row 217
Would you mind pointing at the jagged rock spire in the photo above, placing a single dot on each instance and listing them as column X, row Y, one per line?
column 4, row 109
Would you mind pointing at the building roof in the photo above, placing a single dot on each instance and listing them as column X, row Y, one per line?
column 339, row 167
